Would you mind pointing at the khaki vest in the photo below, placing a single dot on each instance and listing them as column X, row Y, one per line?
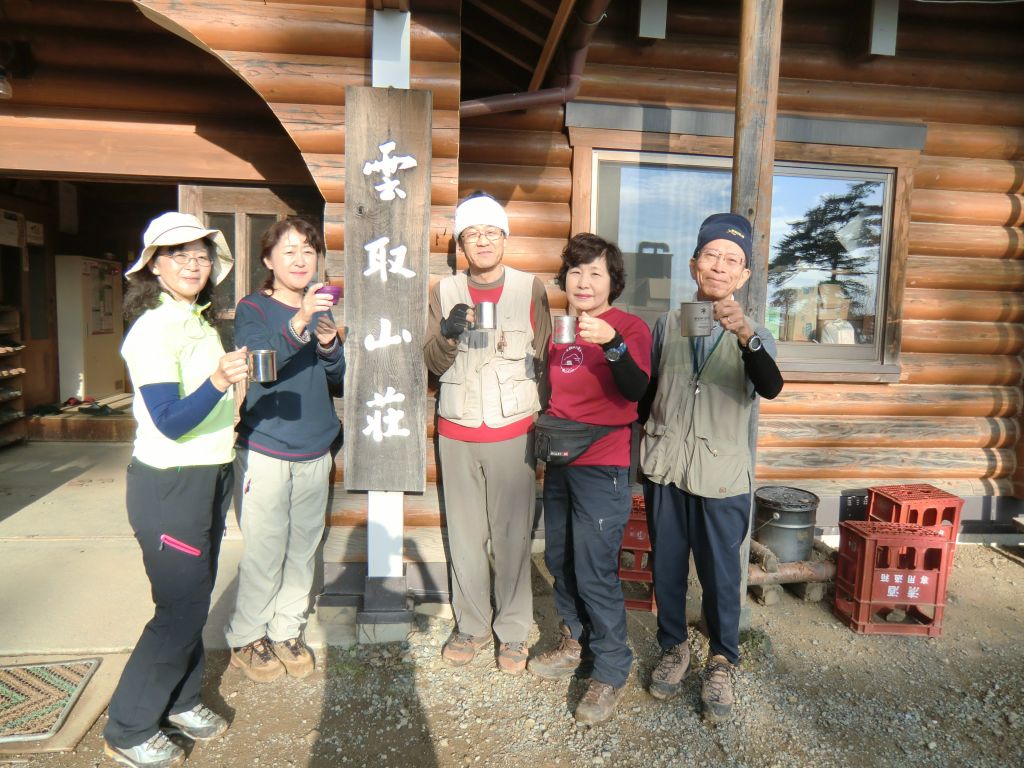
column 699, row 440
column 492, row 380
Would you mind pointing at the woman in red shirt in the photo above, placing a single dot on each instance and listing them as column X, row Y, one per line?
column 597, row 379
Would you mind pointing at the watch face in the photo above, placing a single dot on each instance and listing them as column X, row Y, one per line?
column 613, row 354
column 754, row 343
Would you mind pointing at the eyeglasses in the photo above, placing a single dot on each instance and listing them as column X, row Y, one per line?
column 731, row 260
column 201, row 258
column 473, row 236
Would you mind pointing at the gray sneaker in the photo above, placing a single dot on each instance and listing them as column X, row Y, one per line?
column 200, row 723
column 155, row 752
column 667, row 677
column 716, row 694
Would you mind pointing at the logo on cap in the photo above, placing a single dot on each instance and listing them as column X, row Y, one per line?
column 736, row 233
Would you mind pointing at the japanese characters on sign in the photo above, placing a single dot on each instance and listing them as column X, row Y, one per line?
column 387, row 219
column 906, row 586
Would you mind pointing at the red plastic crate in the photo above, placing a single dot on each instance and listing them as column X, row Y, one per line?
column 883, row 567
column 636, row 542
column 921, row 504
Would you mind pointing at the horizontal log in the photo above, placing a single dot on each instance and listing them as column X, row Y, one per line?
column 954, row 304
column 881, row 462
column 47, row 14
column 959, row 207
column 320, row 128
column 548, row 119
column 533, row 148
column 531, row 254
column 888, row 432
column 147, row 149
column 960, row 486
column 952, row 337
column 668, row 87
column 993, row 242
column 322, row 79
column 350, row 508
column 811, row 62
column 960, row 370
column 995, row 142
column 128, row 92
column 521, row 183
column 420, row 544
column 969, row 274
column 969, row 174
column 809, row 399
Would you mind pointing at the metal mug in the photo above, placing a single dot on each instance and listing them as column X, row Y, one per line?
column 262, row 365
column 696, row 318
column 565, row 329
column 484, row 313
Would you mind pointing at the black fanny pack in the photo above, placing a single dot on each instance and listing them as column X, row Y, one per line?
column 562, row 441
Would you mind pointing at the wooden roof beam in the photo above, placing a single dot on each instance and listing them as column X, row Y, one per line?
column 491, row 45
column 499, row 12
column 551, row 43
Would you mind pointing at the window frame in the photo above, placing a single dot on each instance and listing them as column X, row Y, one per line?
column 884, row 366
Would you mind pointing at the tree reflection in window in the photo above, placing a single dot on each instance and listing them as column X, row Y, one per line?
column 823, row 278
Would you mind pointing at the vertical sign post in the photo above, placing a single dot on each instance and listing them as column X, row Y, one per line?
column 387, row 221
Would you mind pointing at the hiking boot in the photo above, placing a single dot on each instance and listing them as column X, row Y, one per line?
column 512, row 657
column 296, row 657
column 461, row 648
column 716, row 692
column 199, row 724
column 667, row 677
column 257, row 661
column 155, row 752
column 598, row 703
column 562, row 661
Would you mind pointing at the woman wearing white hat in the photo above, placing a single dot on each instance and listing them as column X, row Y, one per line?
column 179, row 483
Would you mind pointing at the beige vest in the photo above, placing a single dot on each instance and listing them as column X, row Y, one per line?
column 492, row 380
column 698, row 440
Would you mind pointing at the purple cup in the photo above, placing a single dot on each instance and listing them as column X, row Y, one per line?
column 334, row 290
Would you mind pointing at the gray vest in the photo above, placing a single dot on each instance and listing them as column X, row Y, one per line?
column 697, row 434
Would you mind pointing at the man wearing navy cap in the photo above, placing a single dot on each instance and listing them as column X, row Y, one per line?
column 696, row 460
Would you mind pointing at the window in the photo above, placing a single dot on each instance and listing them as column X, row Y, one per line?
column 834, row 285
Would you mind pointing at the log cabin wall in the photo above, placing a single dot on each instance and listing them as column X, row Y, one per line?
column 954, row 417
column 112, row 95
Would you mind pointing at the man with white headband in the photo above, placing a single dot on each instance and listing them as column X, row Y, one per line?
column 487, row 401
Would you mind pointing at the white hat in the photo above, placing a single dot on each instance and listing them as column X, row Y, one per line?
column 175, row 228
column 480, row 210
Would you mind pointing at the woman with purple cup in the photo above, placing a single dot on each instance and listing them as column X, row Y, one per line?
column 286, row 430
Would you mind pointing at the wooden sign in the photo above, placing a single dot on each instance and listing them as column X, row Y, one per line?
column 387, row 223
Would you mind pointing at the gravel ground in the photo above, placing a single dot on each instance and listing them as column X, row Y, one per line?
column 810, row 693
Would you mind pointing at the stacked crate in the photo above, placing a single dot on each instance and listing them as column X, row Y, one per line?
column 892, row 568
column 635, row 556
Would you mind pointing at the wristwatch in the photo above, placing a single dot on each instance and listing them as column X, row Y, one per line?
column 753, row 344
column 613, row 354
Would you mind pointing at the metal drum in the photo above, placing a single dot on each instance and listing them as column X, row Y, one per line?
column 784, row 521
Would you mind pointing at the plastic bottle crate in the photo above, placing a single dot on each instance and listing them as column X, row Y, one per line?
column 636, row 547
column 921, row 504
column 883, row 567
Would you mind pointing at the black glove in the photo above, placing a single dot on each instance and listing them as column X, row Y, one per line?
column 453, row 325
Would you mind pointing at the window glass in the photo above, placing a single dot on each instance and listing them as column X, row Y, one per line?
column 826, row 257
column 224, row 293
column 258, row 224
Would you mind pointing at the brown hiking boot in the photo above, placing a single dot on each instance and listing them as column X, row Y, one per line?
column 257, row 661
column 561, row 661
column 512, row 657
column 296, row 657
column 667, row 677
column 461, row 648
column 598, row 703
column 716, row 693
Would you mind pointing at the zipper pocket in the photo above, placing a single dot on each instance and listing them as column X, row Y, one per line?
column 181, row 546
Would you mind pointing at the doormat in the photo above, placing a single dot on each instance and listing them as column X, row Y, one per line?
column 35, row 699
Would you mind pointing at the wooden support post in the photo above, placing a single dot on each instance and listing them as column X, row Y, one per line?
column 757, row 90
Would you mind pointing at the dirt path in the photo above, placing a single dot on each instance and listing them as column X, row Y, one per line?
column 811, row 693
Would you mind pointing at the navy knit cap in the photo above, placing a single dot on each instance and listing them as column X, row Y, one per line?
column 726, row 226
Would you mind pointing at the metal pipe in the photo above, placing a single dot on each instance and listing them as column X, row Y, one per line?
column 792, row 573
column 576, row 40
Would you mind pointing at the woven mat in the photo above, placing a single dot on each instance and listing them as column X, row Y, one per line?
column 36, row 698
